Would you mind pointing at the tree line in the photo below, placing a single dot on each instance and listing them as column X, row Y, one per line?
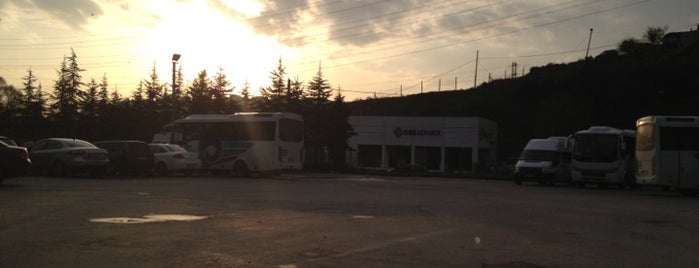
column 88, row 110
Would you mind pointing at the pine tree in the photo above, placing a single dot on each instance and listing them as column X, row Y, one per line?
column 65, row 107
column 89, row 104
column 138, row 94
column 318, row 89
column 272, row 96
column 219, row 92
column 199, row 94
column 90, row 100
column 293, row 96
column 153, row 88
column 245, row 94
column 103, row 95
column 34, row 102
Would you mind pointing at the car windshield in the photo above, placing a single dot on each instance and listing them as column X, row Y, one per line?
column 78, row 143
column 538, row 155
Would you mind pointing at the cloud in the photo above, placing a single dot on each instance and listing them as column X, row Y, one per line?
column 74, row 13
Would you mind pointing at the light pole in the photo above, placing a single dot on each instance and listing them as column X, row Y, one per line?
column 175, row 58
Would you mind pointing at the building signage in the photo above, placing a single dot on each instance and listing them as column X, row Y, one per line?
column 416, row 132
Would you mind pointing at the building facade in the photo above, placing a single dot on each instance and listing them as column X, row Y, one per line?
column 445, row 144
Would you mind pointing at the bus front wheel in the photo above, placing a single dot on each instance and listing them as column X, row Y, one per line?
column 240, row 169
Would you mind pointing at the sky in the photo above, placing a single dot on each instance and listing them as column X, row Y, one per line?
column 366, row 48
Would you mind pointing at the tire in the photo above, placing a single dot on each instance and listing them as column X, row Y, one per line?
column 187, row 173
column 161, row 169
column 58, row 169
column 240, row 169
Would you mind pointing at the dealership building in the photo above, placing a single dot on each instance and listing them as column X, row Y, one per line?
column 452, row 144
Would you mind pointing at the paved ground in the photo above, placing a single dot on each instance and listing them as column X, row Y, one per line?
column 320, row 220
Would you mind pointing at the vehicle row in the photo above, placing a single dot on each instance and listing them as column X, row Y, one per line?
column 63, row 156
column 662, row 151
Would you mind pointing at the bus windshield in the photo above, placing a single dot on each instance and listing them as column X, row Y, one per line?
column 596, row 147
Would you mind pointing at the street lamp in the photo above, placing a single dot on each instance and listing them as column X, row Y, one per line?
column 175, row 58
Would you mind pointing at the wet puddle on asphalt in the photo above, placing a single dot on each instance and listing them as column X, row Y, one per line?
column 151, row 218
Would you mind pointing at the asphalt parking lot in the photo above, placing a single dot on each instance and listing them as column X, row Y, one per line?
column 332, row 220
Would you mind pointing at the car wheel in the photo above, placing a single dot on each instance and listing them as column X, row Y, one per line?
column 240, row 169
column 187, row 172
column 58, row 169
column 161, row 169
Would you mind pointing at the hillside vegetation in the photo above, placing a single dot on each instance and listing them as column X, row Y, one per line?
column 612, row 89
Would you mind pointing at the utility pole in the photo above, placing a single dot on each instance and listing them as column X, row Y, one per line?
column 439, row 87
column 475, row 76
column 514, row 69
column 401, row 90
column 456, row 79
column 420, row 86
column 587, row 52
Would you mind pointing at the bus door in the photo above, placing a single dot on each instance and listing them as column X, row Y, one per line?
column 680, row 156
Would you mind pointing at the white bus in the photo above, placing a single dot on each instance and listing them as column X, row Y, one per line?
column 243, row 143
column 667, row 152
column 603, row 156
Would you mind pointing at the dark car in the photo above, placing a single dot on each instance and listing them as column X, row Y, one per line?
column 128, row 157
column 58, row 157
column 14, row 161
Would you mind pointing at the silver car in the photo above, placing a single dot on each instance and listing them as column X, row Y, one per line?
column 58, row 157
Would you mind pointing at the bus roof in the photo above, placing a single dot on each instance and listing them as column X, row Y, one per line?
column 668, row 120
column 236, row 117
column 607, row 130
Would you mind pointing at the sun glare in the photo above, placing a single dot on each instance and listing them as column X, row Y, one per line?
column 208, row 39
column 248, row 7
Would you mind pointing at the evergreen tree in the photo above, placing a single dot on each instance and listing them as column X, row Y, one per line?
column 318, row 89
column 90, row 100
column 138, row 95
column 293, row 96
column 245, row 94
column 153, row 88
column 65, row 107
column 89, row 104
column 199, row 94
column 103, row 95
column 219, row 92
column 272, row 96
column 34, row 103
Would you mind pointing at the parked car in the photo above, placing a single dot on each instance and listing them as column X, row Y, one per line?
column 59, row 156
column 14, row 161
column 170, row 158
column 128, row 157
column 7, row 141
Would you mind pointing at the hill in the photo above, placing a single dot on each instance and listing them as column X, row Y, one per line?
column 612, row 89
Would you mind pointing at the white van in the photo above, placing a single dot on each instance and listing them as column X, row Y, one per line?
column 546, row 161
